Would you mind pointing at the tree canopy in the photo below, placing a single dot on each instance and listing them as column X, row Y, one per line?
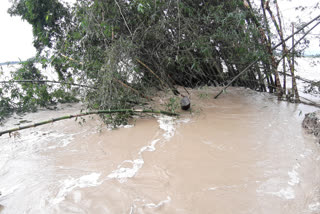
column 125, row 50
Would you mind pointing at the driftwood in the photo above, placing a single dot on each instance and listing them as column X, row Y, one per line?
column 85, row 114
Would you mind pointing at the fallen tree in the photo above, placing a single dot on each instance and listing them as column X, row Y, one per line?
column 126, row 51
column 123, row 111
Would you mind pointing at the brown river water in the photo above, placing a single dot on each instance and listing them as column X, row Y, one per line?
column 242, row 153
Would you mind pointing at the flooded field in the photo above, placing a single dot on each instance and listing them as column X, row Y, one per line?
column 242, row 153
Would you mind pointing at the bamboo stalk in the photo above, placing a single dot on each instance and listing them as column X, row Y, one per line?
column 280, row 32
column 247, row 68
column 284, row 75
column 297, row 42
column 236, row 77
column 170, row 85
column 298, row 31
column 117, row 80
column 44, row 81
column 134, row 90
column 124, row 19
column 267, row 42
column 299, row 78
column 88, row 113
column 149, row 69
column 284, row 49
column 294, row 83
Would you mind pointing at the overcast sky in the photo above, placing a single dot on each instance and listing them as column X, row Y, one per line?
column 16, row 35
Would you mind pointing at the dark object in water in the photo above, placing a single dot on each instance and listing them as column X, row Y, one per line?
column 311, row 123
column 185, row 103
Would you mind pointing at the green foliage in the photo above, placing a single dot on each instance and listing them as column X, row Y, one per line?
column 29, row 96
column 46, row 16
column 117, row 119
column 5, row 107
column 172, row 105
column 97, row 43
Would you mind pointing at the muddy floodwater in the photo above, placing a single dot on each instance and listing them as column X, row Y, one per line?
column 242, row 153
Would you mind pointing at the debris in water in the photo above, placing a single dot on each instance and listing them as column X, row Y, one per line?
column 185, row 103
column 311, row 123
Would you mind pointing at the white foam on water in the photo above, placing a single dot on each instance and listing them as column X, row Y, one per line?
column 160, row 204
column 123, row 173
column 8, row 190
column 284, row 193
column 294, row 176
column 149, row 148
column 224, row 187
column 207, row 142
column 186, row 120
column 306, row 153
column 126, row 126
column 287, row 193
column 314, row 207
column 30, row 144
column 294, row 179
column 167, row 124
column 271, row 187
column 69, row 184
column 213, row 188
column 111, row 127
column 62, row 140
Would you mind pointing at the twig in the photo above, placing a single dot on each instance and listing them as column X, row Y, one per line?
column 123, row 17
column 88, row 113
column 129, row 87
column 149, row 69
column 173, row 89
column 81, row 63
column 119, row 81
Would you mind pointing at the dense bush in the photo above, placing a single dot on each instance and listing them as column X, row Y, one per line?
column 126, row 50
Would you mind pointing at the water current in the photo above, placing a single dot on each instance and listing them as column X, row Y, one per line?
column 242, row 153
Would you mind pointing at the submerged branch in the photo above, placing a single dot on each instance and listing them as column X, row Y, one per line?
column 88, row 113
